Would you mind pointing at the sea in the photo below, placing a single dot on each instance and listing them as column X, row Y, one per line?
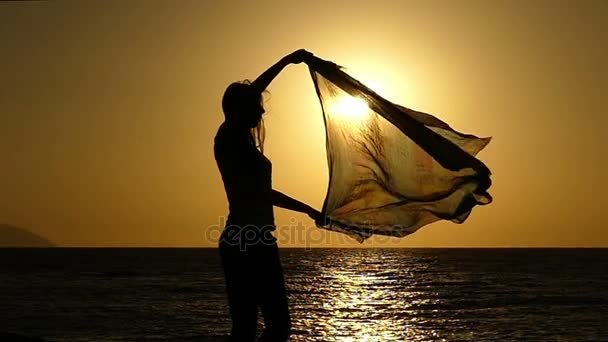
column 177, row 294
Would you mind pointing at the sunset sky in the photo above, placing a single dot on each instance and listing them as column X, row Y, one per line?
column 108, row 111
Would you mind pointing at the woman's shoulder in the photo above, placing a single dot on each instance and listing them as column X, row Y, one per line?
column 221, row 132
column 228, row 139
column 225, row 135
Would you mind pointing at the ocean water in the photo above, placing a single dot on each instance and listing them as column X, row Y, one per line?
column 334, row 294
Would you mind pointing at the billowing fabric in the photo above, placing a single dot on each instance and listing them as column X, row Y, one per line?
column 392, row 169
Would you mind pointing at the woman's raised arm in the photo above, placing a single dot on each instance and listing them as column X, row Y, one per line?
column 296, row 57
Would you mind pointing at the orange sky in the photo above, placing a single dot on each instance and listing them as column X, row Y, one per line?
column 109, row 109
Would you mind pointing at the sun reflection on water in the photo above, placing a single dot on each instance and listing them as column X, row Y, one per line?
column 364, row 300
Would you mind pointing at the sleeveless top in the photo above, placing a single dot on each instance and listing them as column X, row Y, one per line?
column 247, row 177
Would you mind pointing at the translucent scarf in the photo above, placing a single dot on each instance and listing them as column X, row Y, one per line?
column 392, row 169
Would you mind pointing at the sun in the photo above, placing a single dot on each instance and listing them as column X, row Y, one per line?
column 349, row 108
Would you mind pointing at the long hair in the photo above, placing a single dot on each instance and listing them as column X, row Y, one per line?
column 258, row 134
column 236, row 98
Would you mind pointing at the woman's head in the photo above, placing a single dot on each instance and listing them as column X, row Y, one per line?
column 242, row 104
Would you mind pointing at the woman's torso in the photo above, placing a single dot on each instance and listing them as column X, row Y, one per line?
column 247, row 177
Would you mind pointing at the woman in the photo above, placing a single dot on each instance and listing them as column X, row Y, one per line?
column 249, row 253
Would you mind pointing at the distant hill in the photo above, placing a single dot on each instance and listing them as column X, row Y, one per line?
column 11, row 236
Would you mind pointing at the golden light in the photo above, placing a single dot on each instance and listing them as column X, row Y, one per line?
column 349, row 108
column 360, row 304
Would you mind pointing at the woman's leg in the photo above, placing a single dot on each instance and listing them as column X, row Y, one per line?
column 241, row 295
column 273, row 297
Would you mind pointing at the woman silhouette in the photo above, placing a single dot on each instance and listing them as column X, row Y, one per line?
column 249, row 252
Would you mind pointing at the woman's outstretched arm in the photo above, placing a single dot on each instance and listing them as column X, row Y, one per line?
column 262, row 82
column 279, row 199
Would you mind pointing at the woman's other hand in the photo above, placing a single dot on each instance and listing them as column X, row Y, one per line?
column 316, row 216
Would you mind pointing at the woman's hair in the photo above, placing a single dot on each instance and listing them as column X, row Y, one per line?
column 238, row 99
column 258, row 135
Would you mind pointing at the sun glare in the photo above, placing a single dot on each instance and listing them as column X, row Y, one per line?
column 349, row 108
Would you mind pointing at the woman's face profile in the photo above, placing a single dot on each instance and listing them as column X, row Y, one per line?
column 242, row 105
column 252, row 110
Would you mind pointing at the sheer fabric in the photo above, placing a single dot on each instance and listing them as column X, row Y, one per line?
column 392, row 169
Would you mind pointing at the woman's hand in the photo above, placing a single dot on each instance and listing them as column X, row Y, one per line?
column 316, row 216
column 298, row 56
